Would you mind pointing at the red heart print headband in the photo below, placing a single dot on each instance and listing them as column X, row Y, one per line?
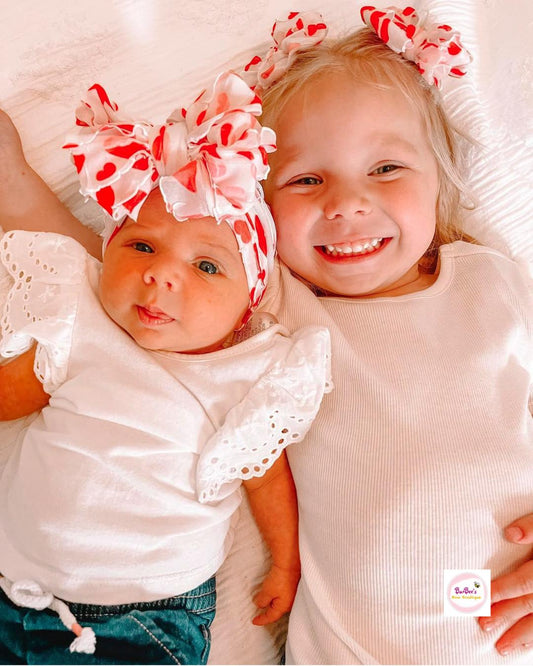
column 434, row 47
column 206, row 159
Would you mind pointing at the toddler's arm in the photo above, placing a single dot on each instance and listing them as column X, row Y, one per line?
column 26, row 202
column 512, row 597
column 274, row 506
column 21, row 393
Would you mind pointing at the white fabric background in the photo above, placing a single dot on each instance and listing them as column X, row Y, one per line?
column 155, row 55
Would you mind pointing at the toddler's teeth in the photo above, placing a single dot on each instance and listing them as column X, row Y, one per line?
column 349, row 249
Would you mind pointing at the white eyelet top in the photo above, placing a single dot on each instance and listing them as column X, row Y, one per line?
column 124, row 487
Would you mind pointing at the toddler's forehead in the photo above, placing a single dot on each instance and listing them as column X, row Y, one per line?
column 333, row 100
column 343, row 76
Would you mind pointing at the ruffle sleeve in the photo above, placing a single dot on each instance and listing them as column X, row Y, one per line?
column 46, row 271
column 277, row 411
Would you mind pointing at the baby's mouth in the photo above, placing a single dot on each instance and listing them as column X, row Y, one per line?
column 352, row 249
column 153, row 316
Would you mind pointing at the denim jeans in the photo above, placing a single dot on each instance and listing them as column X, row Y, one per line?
column 167, row 631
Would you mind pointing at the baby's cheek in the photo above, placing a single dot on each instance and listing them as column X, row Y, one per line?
column 110, row 292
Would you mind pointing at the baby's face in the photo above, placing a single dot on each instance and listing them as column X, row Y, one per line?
column 174, row 286
column 353, row 188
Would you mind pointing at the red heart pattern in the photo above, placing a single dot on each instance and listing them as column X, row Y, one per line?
column 207, row 160
column 435, row 48
column 300, row 31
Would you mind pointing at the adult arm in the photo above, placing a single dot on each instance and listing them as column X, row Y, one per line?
column 512, row 597
column 26, row 201
column 21, row 393
column 274, row 506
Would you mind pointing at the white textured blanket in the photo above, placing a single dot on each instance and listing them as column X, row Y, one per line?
column 155, row 55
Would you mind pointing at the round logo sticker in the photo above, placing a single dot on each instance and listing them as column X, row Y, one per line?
column 467, row 592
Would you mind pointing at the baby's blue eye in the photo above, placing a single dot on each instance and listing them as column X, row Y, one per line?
column 307, row 180
column 208, row 267
column 142, row 247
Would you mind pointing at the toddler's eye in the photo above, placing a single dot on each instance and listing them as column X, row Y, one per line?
column 208, row 267
column 386, row 168
column 142, row 247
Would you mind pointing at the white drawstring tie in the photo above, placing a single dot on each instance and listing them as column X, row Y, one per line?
column 29, row 594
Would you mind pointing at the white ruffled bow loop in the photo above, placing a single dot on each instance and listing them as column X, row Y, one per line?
column 227, row 149
column 112, row 155
column 300, row 31
column 434, row 47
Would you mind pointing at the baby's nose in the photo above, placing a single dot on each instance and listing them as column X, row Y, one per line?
column 163, row 273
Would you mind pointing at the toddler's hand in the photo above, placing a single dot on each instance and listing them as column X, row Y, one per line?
column 276, row 594
column 512, row 597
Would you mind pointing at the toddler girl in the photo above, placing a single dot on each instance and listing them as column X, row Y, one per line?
column 425, row 450
column 119, row 497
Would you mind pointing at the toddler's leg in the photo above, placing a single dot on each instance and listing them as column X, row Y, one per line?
column 26, row 202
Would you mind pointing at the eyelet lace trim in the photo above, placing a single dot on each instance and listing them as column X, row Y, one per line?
column 41, row 304
column 277, row 411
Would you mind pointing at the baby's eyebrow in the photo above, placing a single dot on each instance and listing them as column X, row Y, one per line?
column 217, row 247
column 218, row 250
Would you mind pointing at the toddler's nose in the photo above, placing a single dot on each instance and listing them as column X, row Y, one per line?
column 346, row 201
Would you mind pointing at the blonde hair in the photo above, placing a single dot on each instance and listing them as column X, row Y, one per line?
column 364, row 57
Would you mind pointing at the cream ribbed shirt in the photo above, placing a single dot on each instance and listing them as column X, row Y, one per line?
column 417, row 460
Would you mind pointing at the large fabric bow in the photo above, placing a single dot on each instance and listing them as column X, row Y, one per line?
column 207, row 158
column 299, row 32
column 435, row 48
column 207, row 161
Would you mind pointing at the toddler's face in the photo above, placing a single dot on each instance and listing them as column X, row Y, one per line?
column 353, row 188
column 174, row 286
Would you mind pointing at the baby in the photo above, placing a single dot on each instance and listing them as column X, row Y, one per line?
column 159, row 392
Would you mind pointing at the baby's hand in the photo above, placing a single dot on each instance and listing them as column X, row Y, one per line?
column 512, row 597
column 276, row 594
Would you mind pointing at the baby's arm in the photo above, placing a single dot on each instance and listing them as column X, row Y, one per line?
column 274, row 506
column 26, row 202
column 21, row 393
column 512, row 597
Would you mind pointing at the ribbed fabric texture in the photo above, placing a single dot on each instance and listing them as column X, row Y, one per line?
column 419, row 457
